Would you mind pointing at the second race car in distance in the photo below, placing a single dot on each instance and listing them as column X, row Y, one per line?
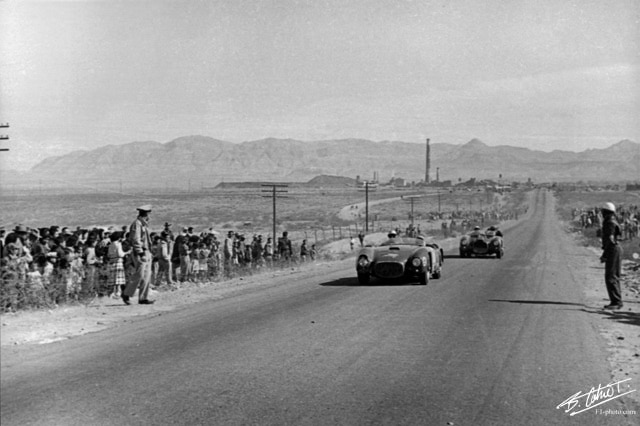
column 479, row 243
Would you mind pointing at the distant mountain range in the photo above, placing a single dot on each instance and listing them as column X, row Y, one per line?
column 204, row 162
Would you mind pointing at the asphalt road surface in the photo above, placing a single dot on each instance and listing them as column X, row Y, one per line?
column 491, row 342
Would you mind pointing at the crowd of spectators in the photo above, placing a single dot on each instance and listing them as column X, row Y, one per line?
column 41, row 266
column 628, row 217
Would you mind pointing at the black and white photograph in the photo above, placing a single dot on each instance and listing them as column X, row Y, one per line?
column 319, row 212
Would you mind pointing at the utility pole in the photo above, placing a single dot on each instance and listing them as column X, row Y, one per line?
column 411, row 200
column 366, row 207
column 274, row 195
column 4, row 137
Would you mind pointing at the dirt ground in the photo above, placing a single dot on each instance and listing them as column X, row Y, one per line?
column 620, row 329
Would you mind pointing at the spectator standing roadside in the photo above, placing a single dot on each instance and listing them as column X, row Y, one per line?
column 284, row 246
column 175, row 254
column 184, row 251
column 155, row 242
column 194, row 256
column 18, row 237
column 611, row 255
column 63, row 269
column 91, row 264
column 164, row 260
column 256, row 251
column 140, row 241
column 203, row 261
column 117, row 280
column 170, row 243
column 227, row 251
column 304, row 251
column 268, row 251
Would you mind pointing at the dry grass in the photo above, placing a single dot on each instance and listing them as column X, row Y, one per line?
column 299, row 208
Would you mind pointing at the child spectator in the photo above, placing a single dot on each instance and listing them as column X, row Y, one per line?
column 163, row 254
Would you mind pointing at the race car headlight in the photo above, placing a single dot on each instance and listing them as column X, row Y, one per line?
column 495, row 242
column 416, row 262
column 363, row 262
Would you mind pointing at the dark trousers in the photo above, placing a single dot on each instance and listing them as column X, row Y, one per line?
column 612, row 268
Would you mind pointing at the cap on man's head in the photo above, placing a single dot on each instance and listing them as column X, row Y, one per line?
column 21, row 228
column 610, row 207
column 146, row 208
column 167, row 225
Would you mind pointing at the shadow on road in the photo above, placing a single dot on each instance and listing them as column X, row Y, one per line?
column 457, row 256
column 538, row 302
column 631, row 318
column 353, row 282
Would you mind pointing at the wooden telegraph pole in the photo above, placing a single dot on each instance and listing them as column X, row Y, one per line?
column 366, row 207
column 274, row 195
column 411, row 199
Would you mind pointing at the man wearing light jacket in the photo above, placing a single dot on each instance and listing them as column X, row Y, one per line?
column 140, row 242
column 611, row 255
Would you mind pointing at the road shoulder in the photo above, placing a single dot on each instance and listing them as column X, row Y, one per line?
column 619, row 329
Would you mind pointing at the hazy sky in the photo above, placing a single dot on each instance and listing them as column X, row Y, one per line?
column 542, row 74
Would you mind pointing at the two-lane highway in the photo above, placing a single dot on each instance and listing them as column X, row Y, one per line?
column 491, row 342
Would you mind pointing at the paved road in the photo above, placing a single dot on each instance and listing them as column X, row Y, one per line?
column 492, row 342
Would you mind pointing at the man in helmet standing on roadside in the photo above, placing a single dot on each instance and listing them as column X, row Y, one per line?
column 611, row 255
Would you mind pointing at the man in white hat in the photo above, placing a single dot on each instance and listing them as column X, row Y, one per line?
column 611, row 255
column 140, row 241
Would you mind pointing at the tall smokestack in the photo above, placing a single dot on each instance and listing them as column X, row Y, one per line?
column 426, row 175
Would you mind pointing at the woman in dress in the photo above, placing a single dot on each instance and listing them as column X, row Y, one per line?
column 117, row 280
column 203, row 257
